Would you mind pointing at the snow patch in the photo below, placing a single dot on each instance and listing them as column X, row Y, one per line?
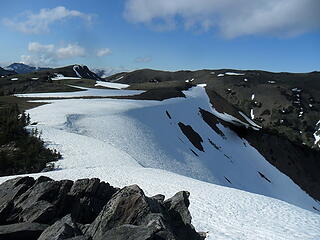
column 64, row 78
column 14, row 79
column 271, row 82
column 59, row 76
column 256, row 126
column 111, row 85
column 234, row 74
column 118, row 79
column 75, row 67
column 252, row 96
column 251, row 114
column 317, row 134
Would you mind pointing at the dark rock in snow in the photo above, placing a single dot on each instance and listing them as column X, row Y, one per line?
column 192, row 135
column 211, row 120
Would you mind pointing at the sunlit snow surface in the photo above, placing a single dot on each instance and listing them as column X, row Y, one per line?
column 87, row 92
column 317, row 134
column 135, row 142
column 111, row 85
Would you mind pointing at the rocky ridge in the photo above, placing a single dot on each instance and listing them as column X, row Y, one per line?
column 90, row 209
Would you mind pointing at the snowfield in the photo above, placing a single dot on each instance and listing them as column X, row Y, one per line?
column 128, row 142
column 86, row 92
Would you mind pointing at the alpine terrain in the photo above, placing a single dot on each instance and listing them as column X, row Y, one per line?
column 243, row 144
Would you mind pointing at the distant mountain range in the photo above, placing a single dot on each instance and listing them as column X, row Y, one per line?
column 78, row 71
column 24, row 68
column 21, row 68
column 4, row 72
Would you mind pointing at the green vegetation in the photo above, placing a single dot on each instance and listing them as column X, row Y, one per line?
column 21, row 151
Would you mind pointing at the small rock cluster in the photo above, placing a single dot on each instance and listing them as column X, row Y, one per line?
column 87, row 209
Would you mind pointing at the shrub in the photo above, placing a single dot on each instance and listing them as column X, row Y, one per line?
column 21, row 151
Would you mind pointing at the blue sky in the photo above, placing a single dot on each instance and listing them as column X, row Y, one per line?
column 283, row 35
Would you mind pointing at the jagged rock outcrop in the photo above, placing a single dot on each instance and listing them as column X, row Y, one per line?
column 89, row 209
column 21, row 231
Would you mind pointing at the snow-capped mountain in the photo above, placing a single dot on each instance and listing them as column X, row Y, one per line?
column 24, row 68
column 4, row 72
column 77, row 71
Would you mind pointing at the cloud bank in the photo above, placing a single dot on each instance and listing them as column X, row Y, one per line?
column 47, row 55
column 37, row 23
column 103, row 52
column 232, row 18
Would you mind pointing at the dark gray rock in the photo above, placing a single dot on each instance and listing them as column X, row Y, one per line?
column 178, row 207
column 88, row 197
column 35, row 204
column 180, row 217
column 43, row 179
column 84, row 187
column 128, row 206
column 22, row 231
column 131, row 215
column 9, row 191
column 47, row 191
column 61, row 229
column 79, row 238
column 42, row 203
column 132, row 232
column 89, row 209
column 159, row 197
column 40, row 212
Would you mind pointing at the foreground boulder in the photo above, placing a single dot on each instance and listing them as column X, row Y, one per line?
column 61, row 229
column 88, row 209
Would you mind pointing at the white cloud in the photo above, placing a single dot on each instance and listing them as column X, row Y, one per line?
column 143, row 59
column 39, row 48
column 70, row 51
column 35, row 60
column 108, row 71
column 46, row 55
column 40, row 22
column 232, row 18
column 103, row 52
